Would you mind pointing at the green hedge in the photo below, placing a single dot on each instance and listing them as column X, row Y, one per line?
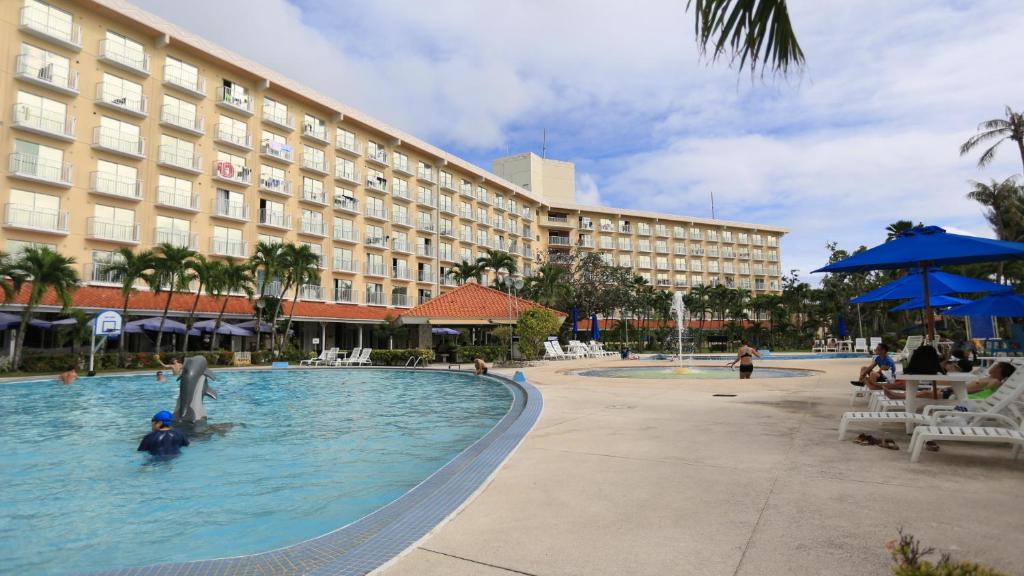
column 488, row 353
column 399, row 357
column 45, row 363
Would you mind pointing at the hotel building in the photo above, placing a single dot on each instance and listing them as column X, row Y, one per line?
column 121, row 129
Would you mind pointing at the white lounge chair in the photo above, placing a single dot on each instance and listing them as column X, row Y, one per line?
column 579, row 349
column 598, row 349
column 913, row 343
column 568, row 354
column 363, row 358
column 319, row 359
column 985, row 434
column 819, row 346
column 998, row 403
column 341, row 359
column 860, row 345
column 875, row 341
column 832, row 345
column 554, row 353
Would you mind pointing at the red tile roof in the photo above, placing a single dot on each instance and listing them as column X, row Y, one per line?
column 472, row 302
column 145, row 302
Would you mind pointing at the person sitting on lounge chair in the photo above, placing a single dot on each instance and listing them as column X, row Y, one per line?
column 871, row 377
column 977, row 390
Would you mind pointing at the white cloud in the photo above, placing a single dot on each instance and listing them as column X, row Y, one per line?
column 587, row 191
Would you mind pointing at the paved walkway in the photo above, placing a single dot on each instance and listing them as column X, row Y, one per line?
column 660, row 477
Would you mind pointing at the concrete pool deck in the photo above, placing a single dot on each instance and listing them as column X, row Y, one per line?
column 624, row 476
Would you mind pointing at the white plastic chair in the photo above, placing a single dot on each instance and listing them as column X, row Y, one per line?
column 1014, row 436
column 341, row 359
column 860, row 345
column 552, row 352
column 819, row 346
column 317, row 360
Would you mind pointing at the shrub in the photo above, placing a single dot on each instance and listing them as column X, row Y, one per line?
column 399, row 357
column 909, row 557
column 488, row 353
column 534, row 326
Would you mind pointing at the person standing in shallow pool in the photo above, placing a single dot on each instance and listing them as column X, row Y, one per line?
column 163, row 440
column 745, row 356
column 69, row 375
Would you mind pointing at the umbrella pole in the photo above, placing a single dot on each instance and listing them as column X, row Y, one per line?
column 860, row 322
column 929, row 318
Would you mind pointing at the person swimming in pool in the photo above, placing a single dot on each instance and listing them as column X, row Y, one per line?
column 745, row 356
column 163, row 440
column 69, row 375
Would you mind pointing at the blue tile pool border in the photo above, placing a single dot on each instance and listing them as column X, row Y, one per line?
column 377, row 538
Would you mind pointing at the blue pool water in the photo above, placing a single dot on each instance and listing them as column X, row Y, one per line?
column 769, row 356
column 690, row 372
column 318, row 449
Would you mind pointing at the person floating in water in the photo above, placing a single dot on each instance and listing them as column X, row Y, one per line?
column 479, row 366
column 160, row 377
column 69, row 375
column 163, row 440
column 745, row 356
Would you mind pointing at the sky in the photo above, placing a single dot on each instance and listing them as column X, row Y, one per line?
column 867, row 134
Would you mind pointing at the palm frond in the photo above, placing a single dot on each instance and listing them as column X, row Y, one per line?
column 757, row 34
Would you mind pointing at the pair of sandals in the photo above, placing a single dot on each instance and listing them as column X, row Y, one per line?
column 868, row 440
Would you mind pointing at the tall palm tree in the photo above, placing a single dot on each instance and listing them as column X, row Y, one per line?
column 267, row 262
column 998, row 129
column 698, row 302
column 550, row 286
column 201, row 270
column 754, row 33
column 227, row 277
column 302, row 266
column 128, row 267
column 45, row 269
column 1004, row 203
column 497, row 260
column 172, row 270
column 465, row 271
column 899, row 227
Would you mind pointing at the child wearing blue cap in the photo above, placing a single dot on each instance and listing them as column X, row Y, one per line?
column 163, row 440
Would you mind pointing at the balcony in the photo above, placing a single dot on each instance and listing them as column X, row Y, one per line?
column 345, row 235
column 425, row 226
column 312, row 227
column 377, row 184
column 448, row 281
column 377, row 155
column 275, row 185
column 284, row 121
column 482, row 219
column 99, row 229
column 226, row 171
column 375, row 298
column 527, row 233
column 401, row 273
column 175, row 78
column 402, row 168
column 112, row 97
column 39, row 121
column 399, row 245
column 426, row 202
column 274, row 219
column 376, row 270
column 170, row 118
column 276, row 151
column 227, row 247
column 446, row 256
column 343, row 295
column 42, row 24
column 235, row 100
column 311, row 292
column 376, row 242
column 346, row 204
column 377, row 213
column 400, row 300
column 482, row 197
column 466, row 214
column 226, row 136
column 100, row 273
column 41, row 73
column 38, row 220
column 467, row 192
column 36, row 169
column 558, row 240
column 316, row 133
column 448, row 232
column 466, row 237
column 402, row 220
column 343, row 265
column 447, row 208
column 643, row 248
column 425, row 251
column 171, row 157
column 124, row 57
column 222, row 208
column 115, row 186
column 401, row 195
column 625, row 229
column 110, row 140
column 177, row 199
column 313, row 196
column 426, row 175
column 175, row 238
column 527, row 252
column 346, row 145
column 527, row 214
column 512, row 229
column 346, row 174
column 315, row 164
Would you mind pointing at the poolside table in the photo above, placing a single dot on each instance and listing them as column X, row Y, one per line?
column 957, row 380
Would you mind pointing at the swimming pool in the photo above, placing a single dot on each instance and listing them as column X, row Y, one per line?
column 315, row 449
column 690, row 372
column 769, row 356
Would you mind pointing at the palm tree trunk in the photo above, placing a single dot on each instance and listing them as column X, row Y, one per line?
column 291, row 314
column 120, row 341
column 19, row 342
column 163, row 319
column 277, row 315
column 216, row 325
column 191, row 318
column 258, row 313
column 1020, row 147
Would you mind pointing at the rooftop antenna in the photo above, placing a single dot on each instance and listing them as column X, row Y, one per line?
column 544, row 145
column 712, row 204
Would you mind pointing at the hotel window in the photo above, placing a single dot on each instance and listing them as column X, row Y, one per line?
column 176, row 231
column 343, row 287
column 275, row 111
column 775, row 284
column 314, row 126
column 466, row 255
column 345, row 168
column 695, row 234
column 399, row 214
column 742, row 238
column 679, row 248
column 374, row 235
column 713, row 266
column 235, row 94
column 45, row 65
column 179, row 112
column 375, row 207
column 744, row 268
column 314, row 158
column 122, row 92
column 375, row 265
column 607, row 243
column 229, row 240
column 661, row 246
column 401, row 161
column 400, row 187
column 678, row 232
column 466, row 233
column 424, row 221
column 39, row 111
column 758, row 284
column 773, row 241
column 643, row 261
column 446, row 227
column 726, row 236
column 697, row 280
column 344, row 227
column 697, row 265
column 728, row 267
column 643, row 228
column 272, row 177
column 662, row 263
column 446, row 180
column 713, row 251
column 625, row 227
column 446, row 203
column 125, row 49
column 644, row 245
column 343, row 258
column 681, row 280
column 39, row 210
column 661, row 230
column 375, row 180
column 41, row 160
column 114, row 178
column 607, row 259
column 481, row 194
column 176, row 151
column 755, row 239
column 679, row 264
column 271, row 212
column 481, row 237
column 499, row 201
column 606, row 225
column 268, row 239
column 181, row 73
column 113, row 222
column 345, row 198
column 481, row 215
column 625, row 244
column 118, row 130
column 316, row 249
column 745, row 283
column 425, row 196
column 444, row 251
column 773, row 255
column 727, row 252
column 174, row 191
column 625, row 260
column 241, row 171
column 276, row 144
column 513, row 206
column 712, row 235
column 53, row 20
column 230, row 203
column 425, row 171
column 233, row 130
column 499, row 221
column 345, row 139
column 17, row 247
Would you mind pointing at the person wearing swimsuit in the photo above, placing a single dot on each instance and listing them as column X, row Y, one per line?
column 745, row 356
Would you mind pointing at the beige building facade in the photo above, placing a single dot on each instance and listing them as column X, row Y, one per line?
column 122, row 130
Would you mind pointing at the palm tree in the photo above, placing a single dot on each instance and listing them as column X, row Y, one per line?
column 465, row 271
column 228, row 277
column 1004, row 203
column 6, row 270
column 754, row 33
column 202, row 270
column 172, row 269
column 497, row 260
column 128, row 267
column 698, row 302
column 302, row 266
column 267, row 262
column 550, row 286
column 45, row 269
column 899, row 227
column 1000, row 130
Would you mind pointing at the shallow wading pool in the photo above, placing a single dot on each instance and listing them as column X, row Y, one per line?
column 690, row 372
column 312, row 450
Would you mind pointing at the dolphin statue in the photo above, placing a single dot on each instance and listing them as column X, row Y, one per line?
column 193, row 384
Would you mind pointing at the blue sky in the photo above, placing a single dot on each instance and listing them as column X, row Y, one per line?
column 867, row 135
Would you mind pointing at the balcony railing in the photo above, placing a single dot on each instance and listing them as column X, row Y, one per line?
column 527, row 214
column 170, row 156
column 559, row 241
column 33, row 69
column 231, row 172
column 447, row 207
column 113, row 231
column 401, row 167
column 225, row 135
column 447, row 280
column 343, row 295
column 28, row 217
column 425, row 250
column 173, row 198
column 426, row 175
column 174, row 77
column 378, row 213
column 313, row 195
column 227, row 247
column 558, row 218
column 34, row 168
column 467, row 213
column 527, row 252
column 237, row 101
column 377, row 184
column 120, row 55
column 346, row 203
column 346, row 174
column 426, row 276
column 345, row 234
column 377, row 155
column 425, row 226
column 401, row 219
column 100, row 273
column 228, row 209
column 446, row 255
column 35, row 119
column 375, row 270
column 170, row 117
column 113, row 97
column 343, row 265
column 311, row 292
column 42, row 23
column 314, row 227
column 175, row 238
column 277, row 151
column 108, row 139
column 275, row 219
column 400, row 273
column 276, row 185
column 467, row 191
column 398, row 299
column 312, row 162
column 482, row 219
column 376, row 242
column 281, row 120
column 350, row 145
column 448, row 232
column 375, row 298
column 113, row 185
column 315, row 132
column 399, row 245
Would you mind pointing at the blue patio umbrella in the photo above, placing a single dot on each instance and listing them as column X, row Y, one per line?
column 595, row 330
column 1002, row 305
column 841, row 327
column 575, row 324
column 940, row 301
column 925, row 247
column 224, row 328
column 153, row 325
column 939, row 283
column 444, row 331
